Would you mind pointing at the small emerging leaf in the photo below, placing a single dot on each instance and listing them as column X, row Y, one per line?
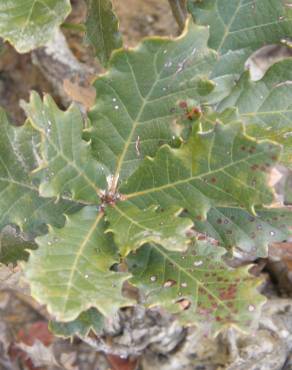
column 197, row 285
column 133, row 227
column 102, row 29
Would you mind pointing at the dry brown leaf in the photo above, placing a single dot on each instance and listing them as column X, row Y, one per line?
column 84, row 95
column 11, row 278
column 67, row 360
column 275, row 177
column 281, row 251
column 39, row 354
column 4, row 338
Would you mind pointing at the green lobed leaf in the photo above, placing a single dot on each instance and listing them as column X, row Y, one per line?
column 265, row 106
column 102, row 29
column 90, row 320
column 29, row 24
column 197, row 285
column 68, row 167
column 14, row 245
column 133, row 227
column 70, row 272
column 236, row 228
column 20, row 202
column 288, row 189
column 137, row 98
column 232, row 226
column 240, row 27
column 214, row 168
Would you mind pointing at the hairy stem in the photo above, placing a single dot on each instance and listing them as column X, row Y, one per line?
column 179, row 11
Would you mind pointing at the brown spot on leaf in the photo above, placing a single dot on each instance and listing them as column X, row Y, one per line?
column 228, row 294
column 254, row 167
column 183, row 104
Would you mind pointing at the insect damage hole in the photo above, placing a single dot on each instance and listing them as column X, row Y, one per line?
column 184, row 304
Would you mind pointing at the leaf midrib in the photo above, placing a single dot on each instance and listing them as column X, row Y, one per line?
column 77, row 258
column 69, row 162
column 131, row 220
column 136, row 223
column 183, row 181
column 30, row 15
column 138, row 116
column 227, row 26
column 12, row 181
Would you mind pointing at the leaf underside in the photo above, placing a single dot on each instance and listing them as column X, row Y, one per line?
column 102, row 30
column 30, row 24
